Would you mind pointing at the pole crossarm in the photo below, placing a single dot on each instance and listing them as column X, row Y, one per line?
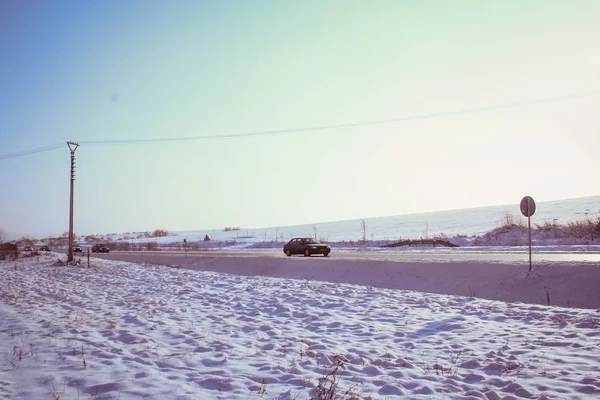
column 75, row 146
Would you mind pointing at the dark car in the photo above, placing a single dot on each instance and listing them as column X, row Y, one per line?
column 44, row 248
column 27, row 248
column 100, row 248
column 77, row 249
column 306, row 246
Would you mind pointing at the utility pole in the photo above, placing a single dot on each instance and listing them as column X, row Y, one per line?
column 72, row 147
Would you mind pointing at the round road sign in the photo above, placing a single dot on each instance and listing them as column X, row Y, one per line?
column 527, row 206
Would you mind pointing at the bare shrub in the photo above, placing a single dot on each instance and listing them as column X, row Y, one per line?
column 328, row 387
column 509, row 220
column 584, row 228
column 8, row 251
column 596, row 225
column 160, row 233
column 547, row 226
column 122, row 246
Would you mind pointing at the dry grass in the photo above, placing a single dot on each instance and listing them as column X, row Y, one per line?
column 587, row 228
column 509, row 220
column 329, row 388
column 547, row 226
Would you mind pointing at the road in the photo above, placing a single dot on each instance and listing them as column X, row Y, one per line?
column 180, row 257
column 571, row 283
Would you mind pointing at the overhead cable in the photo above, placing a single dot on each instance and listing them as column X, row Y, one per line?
column 32, row 151
column 344, row 125
column 573, row 96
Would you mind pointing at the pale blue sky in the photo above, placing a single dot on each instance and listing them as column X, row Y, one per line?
column 119, row 70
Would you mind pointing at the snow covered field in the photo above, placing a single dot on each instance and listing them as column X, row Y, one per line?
column 472, row 221
column 126, row 331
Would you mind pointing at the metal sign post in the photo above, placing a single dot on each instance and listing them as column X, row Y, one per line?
column 528, row 209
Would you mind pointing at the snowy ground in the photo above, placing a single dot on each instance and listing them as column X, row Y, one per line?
column 126, row 331
column 473, row 221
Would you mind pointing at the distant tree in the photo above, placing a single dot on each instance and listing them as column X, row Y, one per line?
column 363, row 226
column 26, row 241
column 160, row 233
column 315, row 231
column 125, row 246
column 2, row 236
column 66, row 235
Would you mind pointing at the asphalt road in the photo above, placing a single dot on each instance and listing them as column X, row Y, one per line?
column 572, row 283
column 176, row 257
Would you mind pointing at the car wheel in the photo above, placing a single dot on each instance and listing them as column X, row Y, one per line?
column 288, row 253
column 306, row 253
column 325, row 254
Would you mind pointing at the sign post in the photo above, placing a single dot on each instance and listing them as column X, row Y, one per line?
column 528, row 209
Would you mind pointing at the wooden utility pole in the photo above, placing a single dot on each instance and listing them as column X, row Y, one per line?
column 72, row 147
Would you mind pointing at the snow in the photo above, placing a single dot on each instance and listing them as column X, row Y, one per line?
column 473, row 221
column 127, row 331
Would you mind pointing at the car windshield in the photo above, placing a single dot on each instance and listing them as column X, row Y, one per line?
column 309, row 241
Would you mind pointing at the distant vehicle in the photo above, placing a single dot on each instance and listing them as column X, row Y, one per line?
column 100, row 248
column 306, row 246
column 44, row 248
column 27, row 248
column 77, row 249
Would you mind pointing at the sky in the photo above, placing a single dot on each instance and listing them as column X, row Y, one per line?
column 141, row 70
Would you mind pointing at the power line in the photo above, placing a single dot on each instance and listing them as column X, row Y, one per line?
column 32, row 151
column 572, row 96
